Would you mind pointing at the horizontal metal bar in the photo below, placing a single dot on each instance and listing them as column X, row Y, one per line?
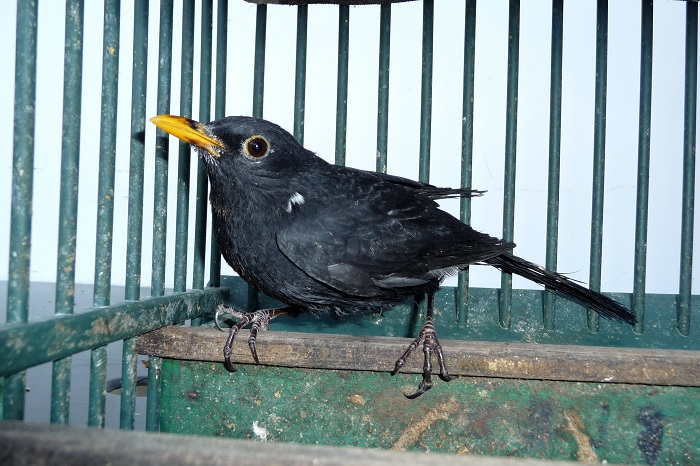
column 28, row 345
column 36, row 444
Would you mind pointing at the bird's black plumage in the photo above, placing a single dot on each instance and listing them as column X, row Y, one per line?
column 326, row 238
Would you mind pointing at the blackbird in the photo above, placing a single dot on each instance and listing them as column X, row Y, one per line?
column 326, row 238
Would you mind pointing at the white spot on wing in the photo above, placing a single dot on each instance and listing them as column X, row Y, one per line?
column 295, row 199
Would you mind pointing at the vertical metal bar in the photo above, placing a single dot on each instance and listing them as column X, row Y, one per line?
column 155, row 364
column 219, row 112
column 184, row 155
column 97, row 390
column 467, row 143
column 160, row 192
column 258, row 94
column 383, row 90
column 127, row 409
column 259, row 68
column 139, row 75
column 300, row 73
column 341, row 114
column 426, row 92
column 204, row 111
column 689, row 140
column 135, row 215
column 506, row 294
column 601, row 91
column 105, row 202
column 640, row 237
column 22, row 181
column 554, row 153
column 68, row 210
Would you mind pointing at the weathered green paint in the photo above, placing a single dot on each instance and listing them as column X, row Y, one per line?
column 27, row 345
column 558, row 420
column 383, row 87
column 426, row 92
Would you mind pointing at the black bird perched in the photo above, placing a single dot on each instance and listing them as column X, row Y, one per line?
column 326, row 238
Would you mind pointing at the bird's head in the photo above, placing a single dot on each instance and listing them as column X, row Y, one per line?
column 238, row 147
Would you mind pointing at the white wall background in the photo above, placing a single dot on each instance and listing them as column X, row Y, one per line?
column 489, row 122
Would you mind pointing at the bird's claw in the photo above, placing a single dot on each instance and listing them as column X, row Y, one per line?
column 258, row 319
column 431, row 345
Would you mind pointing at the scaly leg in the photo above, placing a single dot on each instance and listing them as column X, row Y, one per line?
column 431, row 345
column 257, row 319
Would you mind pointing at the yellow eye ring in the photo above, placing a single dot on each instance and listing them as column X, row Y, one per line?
column 256, row 147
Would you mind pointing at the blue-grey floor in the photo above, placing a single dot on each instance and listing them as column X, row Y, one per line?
column 38, row 398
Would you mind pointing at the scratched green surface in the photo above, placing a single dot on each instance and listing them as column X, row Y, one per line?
column 615, row 423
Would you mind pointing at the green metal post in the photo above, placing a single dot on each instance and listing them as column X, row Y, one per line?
column 554, row 156
column 341, row 115
column 467, row 144
column 598, row 194
column 22, row 181
column 105, row 202
column 642, row 217
column 219, row 112
column 383, row 90
column 689, row 140
column 155, row 365
column 68, row 210
column 184, row 150
column 426, row 92
column 506, row 293
column 300, row 73
column 259, row 67
column 160, row 191
column 135, row 215
column 204, row 111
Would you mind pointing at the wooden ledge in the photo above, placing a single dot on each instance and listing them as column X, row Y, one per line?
column 470, row 358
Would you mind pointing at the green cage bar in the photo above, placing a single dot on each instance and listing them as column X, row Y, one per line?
column 341, row 112
column 689, row 140
column 383, row 87
column 160, row 191
column 22, row 181
column 426, row 92
column 204, row 115
column 134, row 245
column 642, row 210
column 258, row 97
column 259, row 67
column 219, row 112
column 135, row 213
column 465, row 204
column 300, row 72
column 552, row 237
column 105, row 203
column 598, row 193
column 68, row 203
column 506, row 292
column 184, row 151
column 155, row 365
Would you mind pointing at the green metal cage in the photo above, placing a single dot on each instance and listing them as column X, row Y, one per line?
column 526, row 345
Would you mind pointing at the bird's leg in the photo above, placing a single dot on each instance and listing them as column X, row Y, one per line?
column 431, row 345
column 257, row 319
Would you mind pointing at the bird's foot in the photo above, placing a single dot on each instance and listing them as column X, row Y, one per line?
column 257, row 320
column 431, row 345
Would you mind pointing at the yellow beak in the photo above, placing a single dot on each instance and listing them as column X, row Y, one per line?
column 190, row 131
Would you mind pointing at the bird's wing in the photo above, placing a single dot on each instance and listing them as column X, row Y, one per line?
column 387, row 238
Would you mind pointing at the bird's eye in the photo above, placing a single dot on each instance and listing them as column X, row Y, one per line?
column 256, row 147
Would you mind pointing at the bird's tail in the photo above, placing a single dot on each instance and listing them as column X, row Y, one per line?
column 603, row 305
